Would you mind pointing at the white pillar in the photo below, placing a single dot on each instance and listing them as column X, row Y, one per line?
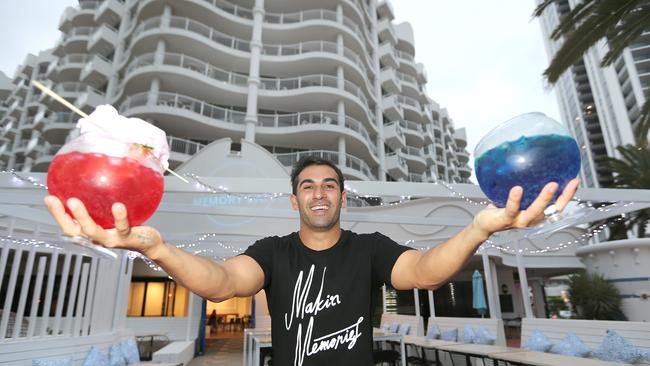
column 539, row 309
column 154, row 90
column 379, row 120
column 166, row 16
column 523, row 281
column 432, row 304
column 160, row 52
column 495, row 290
column 254, row 71
column 488, row 284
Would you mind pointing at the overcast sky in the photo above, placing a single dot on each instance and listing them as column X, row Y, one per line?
column 484, row 59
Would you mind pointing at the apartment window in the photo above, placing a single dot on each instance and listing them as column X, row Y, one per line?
column 159, row 297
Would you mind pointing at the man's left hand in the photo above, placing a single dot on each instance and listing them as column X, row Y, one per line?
column 493, row 219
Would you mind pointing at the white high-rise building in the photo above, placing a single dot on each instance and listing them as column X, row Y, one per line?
column 333, row 78
column 599, row 105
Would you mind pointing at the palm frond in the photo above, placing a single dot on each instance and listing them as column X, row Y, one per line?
column 626, row 32
column 643, row 128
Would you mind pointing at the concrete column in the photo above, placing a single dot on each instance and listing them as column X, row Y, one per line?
column 113, row 81
column 523, row 281
column 254, row 71
column 340, row 45
column 154, row 91
column 340, row 78
column 416, row 300
column 495, row 290
column 341, row 140
column 383, row 298
column 539, row 304
column 489, row 284
column 379, row 120
column 166, row 16
column 160, row 52
column 339, row 13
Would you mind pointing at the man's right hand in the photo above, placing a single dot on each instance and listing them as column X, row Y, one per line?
column 143, row 239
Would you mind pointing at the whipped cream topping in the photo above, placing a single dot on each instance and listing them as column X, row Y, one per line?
column 106, row 121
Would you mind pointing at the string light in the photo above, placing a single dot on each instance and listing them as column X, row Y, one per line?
column 352, row 194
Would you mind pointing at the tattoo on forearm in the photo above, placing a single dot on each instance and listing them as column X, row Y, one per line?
column 145, row 238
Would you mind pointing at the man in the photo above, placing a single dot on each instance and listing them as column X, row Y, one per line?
column 321, row 281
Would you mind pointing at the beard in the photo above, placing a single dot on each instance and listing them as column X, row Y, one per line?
column 321, row 222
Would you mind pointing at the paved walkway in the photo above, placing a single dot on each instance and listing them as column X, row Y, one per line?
column 225, row 349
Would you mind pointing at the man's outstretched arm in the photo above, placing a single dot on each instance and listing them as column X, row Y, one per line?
column 238, row 276
column 433, row 268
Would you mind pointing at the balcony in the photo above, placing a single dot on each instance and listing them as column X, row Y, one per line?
column 69, row 66
column 386, row 31
column 396, row 166
column 415, row 177
column 9, row 129
column 429, row 154
column 354, row 168
column 462, row 156
column 181, row 149
column 414, row 159
column 394, row 136
column 74, row 41
column 15, row 109
column 316, row 118
column 464, row 171
column 428, row 134
column 387, row 56
column 69, row 90
column 103, row 40
column 385, row 10
column 5, row 152
column 109, row 12
column 389, row 80
column 58, row 126
column 97, row 71
column 90, row 99
column 391, row 107
column 36, row 146
column 414, row 133
column 42, row 162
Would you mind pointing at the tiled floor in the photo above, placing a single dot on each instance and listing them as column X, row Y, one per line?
column 224, row 349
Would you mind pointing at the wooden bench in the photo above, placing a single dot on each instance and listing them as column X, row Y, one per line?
column 494, row 326
column 591, row 332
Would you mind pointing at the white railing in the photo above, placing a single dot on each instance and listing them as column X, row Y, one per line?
column 404, row 55
column 307, row 81
column 231, row 8
column 189, row 63
column 73, row 58
column 352, row 162
column 312, row 46
column 79, row 31
column 315, row 117
column 195, row 27
column 89, row 5
column 412, row 151
column 186, row 103
column 52, row 274
column 183, row 146
column 410, row 125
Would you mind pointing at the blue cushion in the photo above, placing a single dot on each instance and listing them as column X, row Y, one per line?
column 65, row 361
column 130, row 351
column 618, row 349
column 115, row 356
column 450, row 335
column 404, row 329
column 467, row 335
column 483, row 336
column 393, row 327
column 538, row 342
column 96, row 358
column 433, row 332
column 571, row 345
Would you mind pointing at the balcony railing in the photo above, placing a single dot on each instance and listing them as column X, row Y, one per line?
column 315, row 117
column 189, row 63
column 352, row 162
column 187, row 103
column 183, row 146
column 73, row 58
column 78, row 31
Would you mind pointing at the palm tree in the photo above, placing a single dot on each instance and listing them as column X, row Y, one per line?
column 631, row 171
column 621, row 22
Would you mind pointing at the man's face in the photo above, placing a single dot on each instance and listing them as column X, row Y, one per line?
column 318, row 198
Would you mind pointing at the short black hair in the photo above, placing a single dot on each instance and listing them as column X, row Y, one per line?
column 309, row 161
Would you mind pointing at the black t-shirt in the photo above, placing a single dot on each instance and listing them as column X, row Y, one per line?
column 321, row 302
